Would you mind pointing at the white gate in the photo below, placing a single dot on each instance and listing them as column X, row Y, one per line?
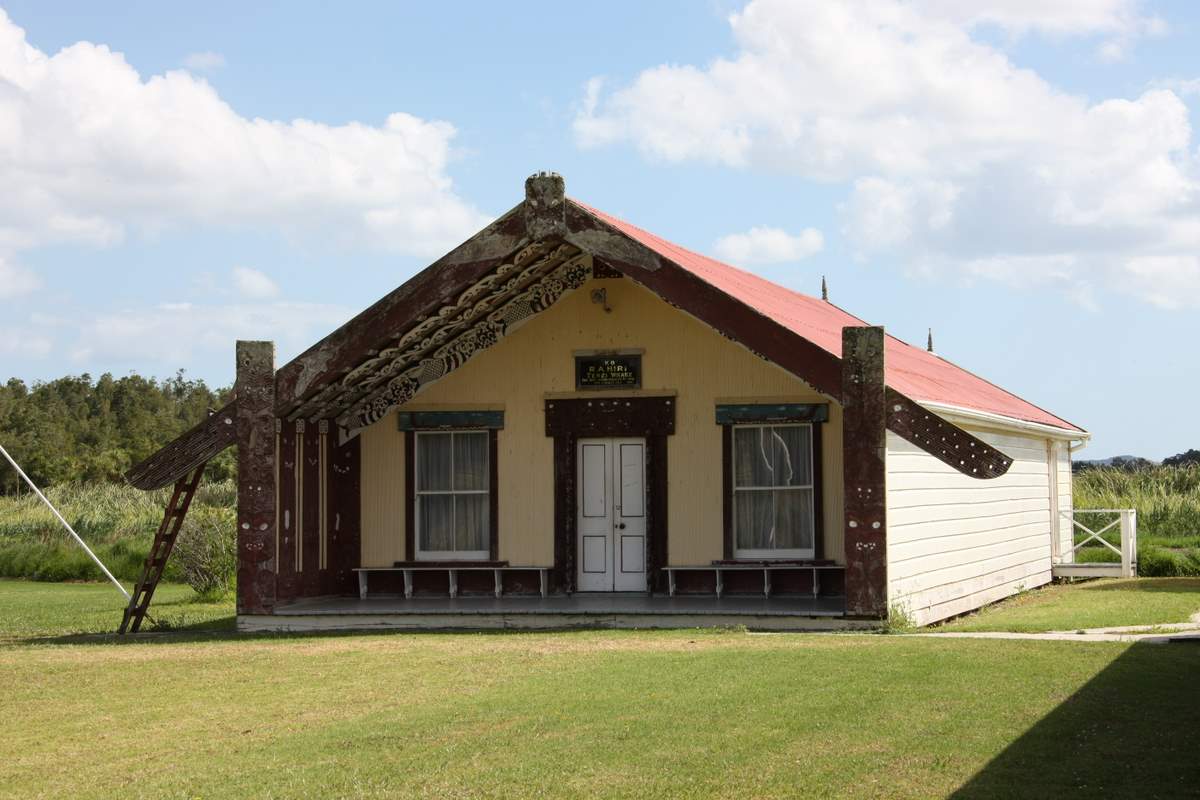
column 1102, row 520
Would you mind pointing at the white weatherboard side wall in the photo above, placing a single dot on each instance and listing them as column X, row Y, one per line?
column 956, row 543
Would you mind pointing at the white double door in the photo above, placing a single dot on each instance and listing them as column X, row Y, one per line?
column 612, row 515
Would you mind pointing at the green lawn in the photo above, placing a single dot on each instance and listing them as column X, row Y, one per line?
column 35, row 609
column 1091, row 604
column 580, row 714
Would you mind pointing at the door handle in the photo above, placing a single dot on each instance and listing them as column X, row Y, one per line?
column 621, row 526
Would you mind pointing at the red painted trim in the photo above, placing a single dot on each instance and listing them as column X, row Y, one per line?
column 345, row 512
column 730, row 544
column 310, row 579
column 727, row 491
column 493, row 495
column 410, row 495
column 570, row 420
column 288, row 582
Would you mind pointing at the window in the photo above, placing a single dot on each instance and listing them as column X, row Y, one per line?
column 773, row 495
column 453, row 495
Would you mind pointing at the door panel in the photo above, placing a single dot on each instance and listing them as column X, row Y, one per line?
column 612, row 515
column 633, row 470
column 633, row 554
column 593, row 472
column 595, row 555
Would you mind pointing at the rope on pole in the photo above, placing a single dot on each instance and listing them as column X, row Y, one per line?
column 66, row 524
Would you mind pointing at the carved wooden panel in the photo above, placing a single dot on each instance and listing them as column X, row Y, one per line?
column 943, row 440
column 864, row 471
column 255, row 390
column 184, row 454
column 395, row 376
column 617, row 416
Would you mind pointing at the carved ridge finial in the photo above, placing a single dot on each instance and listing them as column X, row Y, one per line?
column 929, row 341
column 824, row 289
column 545, row 205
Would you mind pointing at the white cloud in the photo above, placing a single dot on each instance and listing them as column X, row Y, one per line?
column 15, row 280
column 1061, row 17
column 254, row 284
column 766, row 245
column 1184, row 87
column 90, row 150
column 24, row 343
column 954, row 155
column 1170, row 281
column 170, row 334
column 173, row 333
column 204, row 61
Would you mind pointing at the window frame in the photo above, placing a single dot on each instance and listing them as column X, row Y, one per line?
column 732, row 551
column 414, row 494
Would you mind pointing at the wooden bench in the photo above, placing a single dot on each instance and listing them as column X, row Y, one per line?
column 452, row 569
column 766, row 567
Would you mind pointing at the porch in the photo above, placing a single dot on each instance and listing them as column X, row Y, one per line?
column 580, row 610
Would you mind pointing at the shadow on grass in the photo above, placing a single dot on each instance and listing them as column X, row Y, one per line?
column 1131, row 731
column 224, row 629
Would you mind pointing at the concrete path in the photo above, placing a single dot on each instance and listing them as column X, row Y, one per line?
column 1152, row 634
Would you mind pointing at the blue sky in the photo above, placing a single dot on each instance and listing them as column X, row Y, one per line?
column 1020, row 176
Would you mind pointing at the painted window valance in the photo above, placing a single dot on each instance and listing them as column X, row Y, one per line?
column 439, row 420
column 772, row 412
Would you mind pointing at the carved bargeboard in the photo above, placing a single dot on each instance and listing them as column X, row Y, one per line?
column 944, row 440
column 484, row 313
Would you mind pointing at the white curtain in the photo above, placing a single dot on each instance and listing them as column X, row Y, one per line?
column 470, row 461
column 452, row 491
column 471, row 522
column 433, row 462
column 754, row 518
column 768, row 515
column 437, row 522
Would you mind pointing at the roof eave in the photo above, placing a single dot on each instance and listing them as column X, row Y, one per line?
column 991, row 419
column 335, row 354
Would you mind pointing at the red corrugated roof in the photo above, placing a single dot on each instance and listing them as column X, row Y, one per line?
column 911, row 371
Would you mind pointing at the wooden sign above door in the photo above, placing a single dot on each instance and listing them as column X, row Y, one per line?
column 610, row 371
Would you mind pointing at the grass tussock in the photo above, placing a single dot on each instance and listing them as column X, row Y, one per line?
column 118, row 523
column 1167, row 500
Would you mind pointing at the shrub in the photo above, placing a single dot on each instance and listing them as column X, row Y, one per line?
column 1156, row 562
column 207, row 550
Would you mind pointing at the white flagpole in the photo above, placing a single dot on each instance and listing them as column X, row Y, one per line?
column 66, row 524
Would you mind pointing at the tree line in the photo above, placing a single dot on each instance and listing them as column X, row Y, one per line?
column 78, row 429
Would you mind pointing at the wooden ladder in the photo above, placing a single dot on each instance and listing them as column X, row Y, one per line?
column 160, row 551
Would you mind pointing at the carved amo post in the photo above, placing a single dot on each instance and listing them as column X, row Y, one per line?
column 255, row 389
column 864, row 470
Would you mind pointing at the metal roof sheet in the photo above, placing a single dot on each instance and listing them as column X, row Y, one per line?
column 913, row 371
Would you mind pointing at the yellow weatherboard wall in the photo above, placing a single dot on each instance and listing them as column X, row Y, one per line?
column 681, row 355
column 382, row 494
